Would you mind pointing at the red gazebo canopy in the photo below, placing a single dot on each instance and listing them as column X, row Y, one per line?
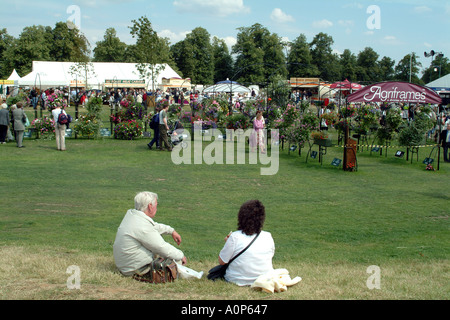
column 346, row 85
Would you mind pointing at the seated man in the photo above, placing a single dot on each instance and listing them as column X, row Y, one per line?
column 139, row 241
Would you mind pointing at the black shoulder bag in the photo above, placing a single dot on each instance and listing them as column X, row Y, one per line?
column 218, row 272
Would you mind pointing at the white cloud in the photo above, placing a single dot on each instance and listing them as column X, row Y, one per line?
column 338, row 52
column 346, row 23
column 322, row 24
column 392, row 41
column 99, row 3
column 230, row 41
column 221, row 8
column 172, row 36
column 428, row 45
column 353, row 5
column 278, row 15
column 422, row 9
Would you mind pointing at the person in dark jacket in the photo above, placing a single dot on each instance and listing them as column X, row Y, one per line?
column 445, row 140
column 4, row 122
column 155, row 126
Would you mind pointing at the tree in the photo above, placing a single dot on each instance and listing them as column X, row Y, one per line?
column 368, row 68
column 110, row 49
column 151, row 51
column 386, row 66
column 274, row 57
column 249, row 64
column 194, row 56
column 440, row 66
column 6, row 41
column 44, row 44
column 348, row 65
column 259, row 55
column 323, row 57
column 130, row 54
column 183, row 58
column 299, row 59
column 34, row 43
column 408, row 68
column 68, row 44
column 223, row 62
column 83, row 70
column 199, row 42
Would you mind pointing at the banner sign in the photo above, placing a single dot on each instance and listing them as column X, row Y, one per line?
column 74, row 83
column 6, row 82
column 305, row 82
column 402, row 92
column 140, row 82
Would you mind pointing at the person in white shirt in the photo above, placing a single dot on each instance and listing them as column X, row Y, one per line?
column 257, row 259
column 138, row 240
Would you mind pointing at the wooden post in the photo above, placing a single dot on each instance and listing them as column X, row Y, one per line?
column 346, row 134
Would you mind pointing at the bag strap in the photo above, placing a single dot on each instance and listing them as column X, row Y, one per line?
column 244, row 249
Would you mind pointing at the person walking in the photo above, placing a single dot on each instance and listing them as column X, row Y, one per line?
column 257, row 138
column 164, row 128
column 34, row 98
column 154, row 124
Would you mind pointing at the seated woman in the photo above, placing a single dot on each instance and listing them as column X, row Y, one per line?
column 257, row 259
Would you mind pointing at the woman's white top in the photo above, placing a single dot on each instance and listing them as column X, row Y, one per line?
column 255, row 261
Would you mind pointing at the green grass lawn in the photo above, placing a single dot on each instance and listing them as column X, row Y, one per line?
column 63, row 208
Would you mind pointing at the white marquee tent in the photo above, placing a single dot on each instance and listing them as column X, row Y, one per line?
column 53, row 74
column 14, row 76
column 228, row 87
column 441, row 84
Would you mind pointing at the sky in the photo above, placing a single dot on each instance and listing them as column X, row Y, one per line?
column 392, row 28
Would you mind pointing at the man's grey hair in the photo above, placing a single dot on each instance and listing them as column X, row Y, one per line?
column 143, row 199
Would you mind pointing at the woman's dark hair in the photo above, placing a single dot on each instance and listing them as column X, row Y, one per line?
column 251, row 217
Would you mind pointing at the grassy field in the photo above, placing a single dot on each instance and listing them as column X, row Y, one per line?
column 60, row 209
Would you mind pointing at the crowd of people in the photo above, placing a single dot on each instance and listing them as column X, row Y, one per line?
column 149, row 98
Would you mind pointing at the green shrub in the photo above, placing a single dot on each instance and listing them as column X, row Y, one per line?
column 128, row 130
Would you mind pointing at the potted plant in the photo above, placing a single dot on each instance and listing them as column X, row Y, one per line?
column 321, row 139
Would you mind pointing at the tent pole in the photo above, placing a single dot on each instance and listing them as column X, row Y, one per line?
column 439, row 141
column 346, row 134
